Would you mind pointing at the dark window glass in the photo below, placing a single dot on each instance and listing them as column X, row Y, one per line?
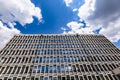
column 54, row 69
column 50, row 59
column 57, row 59
column 68, row 59
column 47, row 69
column 50, row 69
column 50, row 78
column 44, row 59
column 34, row 69
column 62, row 68
column 43, row 68
column 65, row 60
column 46, row 78
column 54, row 78
column 41, row 78
column 54, row 59
column 37, row 59
column 40, row 59
column 58, row 68
column 39, row 67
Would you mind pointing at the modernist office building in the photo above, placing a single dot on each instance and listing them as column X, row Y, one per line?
column 59, row 57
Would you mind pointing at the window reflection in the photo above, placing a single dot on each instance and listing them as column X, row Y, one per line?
column 43, row 68
column 61, row 51
column 51, row 69
column 39, row 67
column 47, row 69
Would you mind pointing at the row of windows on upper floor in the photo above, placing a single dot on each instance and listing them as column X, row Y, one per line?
column 56, row 68
column 76, row 51
column 59, row 59
column 62, row 38
column 15, row 69
column 37, row 46
column 68, row 59
column 48, row 37
column 60, row 51
column 61, row 41
column 77, row 77
column 50, row 69
column 77, row 59
column 43, row 46
column 74, row 68
column 68, row 77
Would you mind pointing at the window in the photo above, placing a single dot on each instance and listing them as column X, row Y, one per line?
column 50, row 59
column 61, row 59
column 34, row 69
column 40, row 60
column 44, row 59
column 43, row 68
column 54, row 59
column 37, row 59
column 47, row 68
column 41, row 78
column 58, row 69
column 50, row 69
column 65, row 59
column 82, row 69
column 62, row 68
column 54, row 69
column 50, row 78
column 70, row 58
column 54, row 78
column 46, row 78
column 58, row 59
column 39, row 67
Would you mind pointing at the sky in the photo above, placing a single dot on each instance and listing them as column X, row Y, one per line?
column 60, row 17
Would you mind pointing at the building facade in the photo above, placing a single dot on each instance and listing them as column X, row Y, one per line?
column 59, row 57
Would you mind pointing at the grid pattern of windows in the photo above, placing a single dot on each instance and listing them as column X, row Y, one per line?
column 59, row 57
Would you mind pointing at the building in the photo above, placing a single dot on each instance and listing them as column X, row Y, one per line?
column 59, row 57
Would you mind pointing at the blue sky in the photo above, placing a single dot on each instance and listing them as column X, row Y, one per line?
column 55, row 15
column 60, row 17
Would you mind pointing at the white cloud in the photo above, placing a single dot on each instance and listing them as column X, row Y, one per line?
column 75, row 9
column 68, row 2
column 73, row 4
column 78, row 28
column 102, row 14
column 112, row 30
column 74, row 25
column 6, row 33
column 12, row 11
column 18, row 10
column 86, row 9
column 64, row 30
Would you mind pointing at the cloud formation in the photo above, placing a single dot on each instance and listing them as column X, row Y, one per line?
column 74, row 4
column 103, row 15
column 68, row 2
column 12, row 11
column 21, row 11
column 6, row 33
column 77, row 28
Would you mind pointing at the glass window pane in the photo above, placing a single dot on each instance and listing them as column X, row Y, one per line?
column 42, row 69
column 34, row 69
column 41, row 78
column 47, row 69
column 38, row 71
column 46, row 78
column 50, row 68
